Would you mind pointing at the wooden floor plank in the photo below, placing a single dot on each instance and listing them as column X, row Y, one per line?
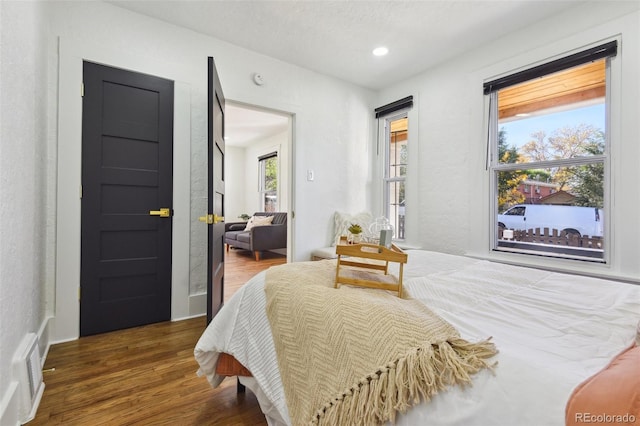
column 147, row 375
column 240, row 265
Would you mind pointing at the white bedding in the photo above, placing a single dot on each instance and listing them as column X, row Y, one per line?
column 552, row 330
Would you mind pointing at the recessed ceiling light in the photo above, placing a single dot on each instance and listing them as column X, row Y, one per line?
column 380, row 51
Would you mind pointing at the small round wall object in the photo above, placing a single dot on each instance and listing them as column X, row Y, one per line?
column 258, row 79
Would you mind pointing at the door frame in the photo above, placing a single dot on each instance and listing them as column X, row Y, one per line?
column 66, row 305
column 290, row 166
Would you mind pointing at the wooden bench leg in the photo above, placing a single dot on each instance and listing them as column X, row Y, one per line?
column 240, row 388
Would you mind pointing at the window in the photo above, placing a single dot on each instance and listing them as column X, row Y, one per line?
column 396, row 173
column 268, row 185
column 394, row 176
column 515, row 211
column 548, row 125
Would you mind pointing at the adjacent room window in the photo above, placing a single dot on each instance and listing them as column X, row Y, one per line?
column 393, row 152
column 549, row 156
column 268, row 185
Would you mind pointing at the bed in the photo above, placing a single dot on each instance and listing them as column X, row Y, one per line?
column 553, row 331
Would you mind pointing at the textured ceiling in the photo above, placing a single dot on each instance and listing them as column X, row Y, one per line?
column 244, row 126
column 336, row 38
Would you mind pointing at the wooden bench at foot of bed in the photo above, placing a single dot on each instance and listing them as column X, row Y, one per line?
column 229, row 366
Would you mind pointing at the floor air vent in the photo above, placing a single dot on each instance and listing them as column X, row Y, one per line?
column 29, row 374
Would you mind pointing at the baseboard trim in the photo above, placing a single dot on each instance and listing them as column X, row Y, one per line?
column 188, row 318
column 44, row 338
column 9, row 406
column 197, row 305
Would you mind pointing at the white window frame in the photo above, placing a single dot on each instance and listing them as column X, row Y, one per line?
column 387, row 181
column 495, row 167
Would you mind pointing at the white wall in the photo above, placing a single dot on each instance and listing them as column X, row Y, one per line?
column 326, row 111
column 453, row 187
column 235, row 183
column 23, row 185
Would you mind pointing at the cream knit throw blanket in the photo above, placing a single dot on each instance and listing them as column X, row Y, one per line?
column 356, row 356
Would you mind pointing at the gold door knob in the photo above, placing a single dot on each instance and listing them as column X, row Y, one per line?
column 163, row 212
column 208, row 219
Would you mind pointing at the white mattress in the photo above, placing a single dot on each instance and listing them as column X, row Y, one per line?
column 552, row 330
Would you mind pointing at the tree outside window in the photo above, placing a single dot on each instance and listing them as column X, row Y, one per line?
column 268, row 165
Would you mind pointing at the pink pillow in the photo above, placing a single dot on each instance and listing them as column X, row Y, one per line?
column 611, row 396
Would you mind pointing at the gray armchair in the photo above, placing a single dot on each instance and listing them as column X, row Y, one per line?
column 258, row 238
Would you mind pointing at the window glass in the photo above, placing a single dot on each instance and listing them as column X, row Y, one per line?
column 396, row 158
column 516, row 211
column 398, row 148
column 269, row 183
column 396, row 191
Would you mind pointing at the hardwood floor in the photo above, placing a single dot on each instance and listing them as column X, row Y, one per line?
column 240, row 265
column 146, row 375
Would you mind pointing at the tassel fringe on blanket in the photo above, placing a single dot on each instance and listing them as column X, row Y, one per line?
column 419, row 375
column 355, row 356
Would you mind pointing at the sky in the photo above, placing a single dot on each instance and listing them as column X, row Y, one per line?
column 519, row 131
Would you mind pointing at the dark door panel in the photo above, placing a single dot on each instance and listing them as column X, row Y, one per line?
column 127, row 171
column 215, row 193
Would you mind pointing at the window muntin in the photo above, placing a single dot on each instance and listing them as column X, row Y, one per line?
column 550, row 133
column 268, row 182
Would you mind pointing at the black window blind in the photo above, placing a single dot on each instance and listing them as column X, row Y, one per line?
column 602, row 51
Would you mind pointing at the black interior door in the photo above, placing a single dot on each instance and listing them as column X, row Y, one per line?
column 127, row 177
column 216, row 173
